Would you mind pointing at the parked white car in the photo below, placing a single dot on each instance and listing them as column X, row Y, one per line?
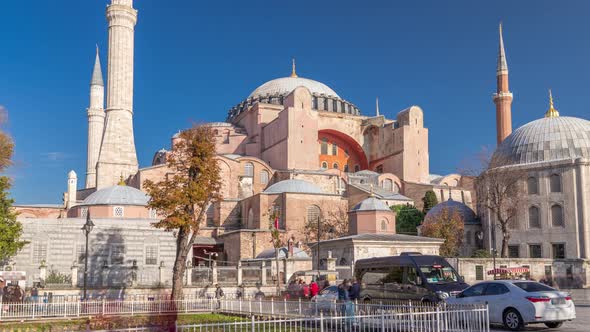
column 516, row 303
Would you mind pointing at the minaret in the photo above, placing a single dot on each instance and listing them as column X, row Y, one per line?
column 503, row 96
column 377, row 107
column 95, row 122
column 72, row 189
column 117, row 152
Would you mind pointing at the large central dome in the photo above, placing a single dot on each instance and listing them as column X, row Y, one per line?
column 284, row 86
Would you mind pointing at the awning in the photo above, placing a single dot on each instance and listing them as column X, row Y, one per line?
column 508, row 270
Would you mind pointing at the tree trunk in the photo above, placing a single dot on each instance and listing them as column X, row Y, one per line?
column 504, row 253
column 182, row 249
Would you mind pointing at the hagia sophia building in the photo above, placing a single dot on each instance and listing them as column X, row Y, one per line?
column 293, row 148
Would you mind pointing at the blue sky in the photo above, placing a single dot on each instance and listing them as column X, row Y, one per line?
column 196, row 59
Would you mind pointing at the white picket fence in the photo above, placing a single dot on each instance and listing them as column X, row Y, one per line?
column 402, row 316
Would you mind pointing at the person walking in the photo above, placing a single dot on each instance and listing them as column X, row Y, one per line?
column 305, row 290
column 314, row 288
column 218, row 295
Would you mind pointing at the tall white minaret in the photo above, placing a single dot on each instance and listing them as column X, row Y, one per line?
column 117, row 152
column 72, row 189
column 95, row 122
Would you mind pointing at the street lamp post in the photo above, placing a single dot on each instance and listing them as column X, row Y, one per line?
column 87, row 228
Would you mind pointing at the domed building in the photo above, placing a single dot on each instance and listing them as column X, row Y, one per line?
column 554, row 153
column 472, row 231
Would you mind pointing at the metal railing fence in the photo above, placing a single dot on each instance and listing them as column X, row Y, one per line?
column 283, row 314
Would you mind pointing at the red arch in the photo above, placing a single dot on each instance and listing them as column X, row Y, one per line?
column 354, row 146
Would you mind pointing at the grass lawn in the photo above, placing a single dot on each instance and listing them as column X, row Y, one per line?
column 108, row 323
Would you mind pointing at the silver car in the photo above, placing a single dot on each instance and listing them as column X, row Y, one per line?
column 326, row 300
column 516, row 303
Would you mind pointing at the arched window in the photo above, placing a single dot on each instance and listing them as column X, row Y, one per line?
column 226, row 137
column 532, row 186
column 313, row 213
column 346, row 168
column 534, row 218
column 324, row 146
column 324, row 165
column 388, row 184
column 395, row 188
column 335, row 166
column 557, row 216
column 555, row 183
column 356, row 168
column 210, row 216
column 384, row 225
column 249, row 169
column 264, row 176
column 315, row 103
column 334, row 149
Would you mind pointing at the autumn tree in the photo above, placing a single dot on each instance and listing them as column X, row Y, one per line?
column 407, row 218
column 333, row 222
column 448, row 224
column 499, row 190
column 10, row 229
column 429, row 201
column 182, row 197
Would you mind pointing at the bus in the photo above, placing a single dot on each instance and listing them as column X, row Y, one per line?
column 409, row 276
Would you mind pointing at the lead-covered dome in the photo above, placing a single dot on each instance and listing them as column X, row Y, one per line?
column 284, row 86
column 546, row 139
column 117, row 195
column 452, row 206
column 293, row 186
column 371, row 204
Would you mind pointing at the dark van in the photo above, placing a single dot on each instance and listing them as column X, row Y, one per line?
column 410, row 276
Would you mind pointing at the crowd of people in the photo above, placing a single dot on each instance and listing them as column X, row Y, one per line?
column 298, row 288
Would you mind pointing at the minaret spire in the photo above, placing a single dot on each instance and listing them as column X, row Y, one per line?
column 377, row 107
column 502, row 64
column 96, row 117
column 503, row 96
column 293, row 72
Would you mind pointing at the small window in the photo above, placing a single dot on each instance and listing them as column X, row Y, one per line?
column 557, row 216
column 249, row 169
column 324, row 165
column 346, row 168
column 325, row 104
column 356, row 168
column 384, row 225
column 555, row 183
column 534, row 219
column 117, row 254
column 388, row 184
column 513, row 251
column 334, row 149
column 535, row 251
column 335, row 166
column 324, row 146
column 334, row 106
column 118, row 211
column 558, row 250
column 80, row 253
column 84, row 212
column 532, row 186
column 264, row 177
column 315, row 103
column 379, row 169
column 210, row 216
column 548, row 272
column 479, row 272
column 151, row 255
column 313, row 213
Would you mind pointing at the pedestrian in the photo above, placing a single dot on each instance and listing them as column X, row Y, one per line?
column 2, row 285
column 343, row 295
column 305, row 290
column 314, row 288
column 34, row 293
column 218, row 295
column 355, row 290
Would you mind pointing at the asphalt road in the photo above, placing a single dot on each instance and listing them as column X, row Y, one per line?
column 582, row 323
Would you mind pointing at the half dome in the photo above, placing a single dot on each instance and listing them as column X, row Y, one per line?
column 293, row 186
column 546, row 139
column 284, row 86
column 117, row 195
